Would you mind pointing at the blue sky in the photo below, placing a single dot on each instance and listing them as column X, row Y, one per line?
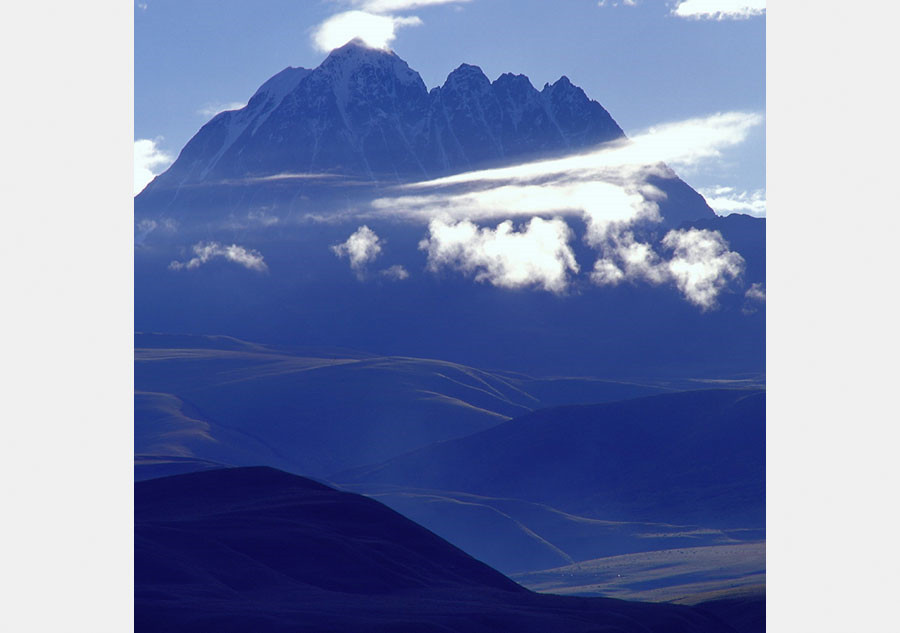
column 642, row 61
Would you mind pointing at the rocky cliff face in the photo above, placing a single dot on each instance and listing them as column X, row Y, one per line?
column 364, row 112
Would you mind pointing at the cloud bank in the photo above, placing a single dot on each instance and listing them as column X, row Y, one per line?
column 719, row 9
column 537, row 255
column 149, row 160
column 701, row 264
column 608, row 186
column 206, row 251
column 608, row 189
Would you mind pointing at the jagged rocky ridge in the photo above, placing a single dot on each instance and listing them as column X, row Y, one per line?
column 364, row 117
column 364, row 112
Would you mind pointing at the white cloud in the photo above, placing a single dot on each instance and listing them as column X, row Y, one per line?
column 756, row 292
column 719, row 9
column 362, row 248
column 212, row 109
column 149, row 160
column 608, row 188
column 538, row 255
column 700, row 267
column 755, row 295
column 147, row 226
column 389, row 6
column 684, row 142
column 395, row 272
column 205, row 251
column 601, row 203
column 377, row 31
column 615, row 3
column 623, row 257
column 607, row 273
column 726, row 200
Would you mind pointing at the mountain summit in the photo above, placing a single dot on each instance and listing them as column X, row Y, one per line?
column 364, row 112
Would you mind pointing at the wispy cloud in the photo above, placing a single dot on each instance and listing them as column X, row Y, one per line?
column 608, row 187
column 362, row 248
column 537, row 255
column 147, row 226
column 206, row 251
column 395, row 273
column 754, row 298
column 376, row 30
column 679, row 143
column 149, row 160
column 727, row 200
column 756, row 292
column 719, row 9
column 212, row 109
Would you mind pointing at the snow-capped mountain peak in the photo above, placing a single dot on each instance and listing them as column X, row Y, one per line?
column 364, row 112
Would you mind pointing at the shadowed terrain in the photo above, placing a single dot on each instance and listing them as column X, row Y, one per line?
column 319, row 411
column 695, row 457
column 258, row 549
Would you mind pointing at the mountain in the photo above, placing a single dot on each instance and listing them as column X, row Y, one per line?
column 694, row 457
column 256, row 549
column 364, row 112
column 291, row 176
column 365, row 115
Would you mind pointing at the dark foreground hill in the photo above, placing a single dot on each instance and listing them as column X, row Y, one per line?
column 256, row 549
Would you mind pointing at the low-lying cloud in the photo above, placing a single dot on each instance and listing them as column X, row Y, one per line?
column 754, row 298
column 700, row 266
column 147, row 226
column 206, row 251
column 362, row 248
column 537, row 255
column 609, row 189
column 719, row 9
column 395, row 273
